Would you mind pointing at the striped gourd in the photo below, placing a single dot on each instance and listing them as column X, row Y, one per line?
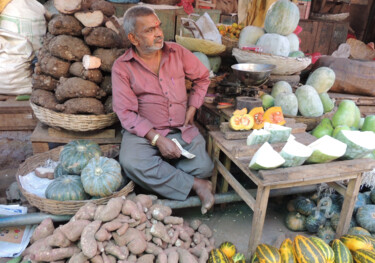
column 228, row 249
column 306, row 251
column 342, row 253
column 217, row 256
column 364, row 256
column 267, row 254
column 325, row 248
column 372, row 240
column 286, row 252
column 355, row 242
column 254, row 259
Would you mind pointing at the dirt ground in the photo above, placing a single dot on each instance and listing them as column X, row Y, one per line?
column 230, row 222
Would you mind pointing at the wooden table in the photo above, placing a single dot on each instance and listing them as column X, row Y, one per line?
column 42, row 135
column 333, row 173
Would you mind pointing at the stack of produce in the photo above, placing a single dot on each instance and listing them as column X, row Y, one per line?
column 72, row 74
column 132, row 229
column 277, row 37
column 347, row 249
column 309, row 100
column 227, row 252
column 231, row 31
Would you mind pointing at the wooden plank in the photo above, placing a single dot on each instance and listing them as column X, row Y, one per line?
column 323, row 37
column 106, row 133
column 9, row 104
column 359, row 100
column 17, row 121
column 367, row 110
column 230, row 134
column 339, row 34
column 340, row 188
column 39, row 147
column 308, row 35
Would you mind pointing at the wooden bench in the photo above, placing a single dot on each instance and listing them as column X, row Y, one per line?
column 43, row 135
column 332, row 173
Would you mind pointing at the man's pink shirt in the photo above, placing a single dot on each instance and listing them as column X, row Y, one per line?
column 143, row 100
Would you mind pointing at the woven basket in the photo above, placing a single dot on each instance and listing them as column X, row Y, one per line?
column 229, row 44
column 73, row 122
column 60, row 207
column 284, row 65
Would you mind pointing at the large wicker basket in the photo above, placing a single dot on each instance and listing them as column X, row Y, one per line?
column 60, row 207
column 73, row 122
column 284, row 65
column 229, row 45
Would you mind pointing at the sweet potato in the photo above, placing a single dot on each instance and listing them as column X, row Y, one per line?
column 108, row 57
column 106, row 7
column 44, row 98
column 114, row 250
column 111, row 210
column 97, row 259
column 64, row 25
column 162, row 258
column 135, row 241
column 44, row 82
column 86, row 212
column 130, row 208
column 148, row 258
column 106, row 84
column 205, row 230
column 195, row 223
column 78, row 258
column 68, row 47
column 132, row 258
column 81, row 106
column 54, row 66
column 174, row 220
column 185, row 256
column 153, row 249
column 43, row 230
column 159, row 211
column 173, row 257
column 94, row 75
column 157, row 241
column 159, row 230
column 108, row 258
column 112, row 225
column 73, row 229
column 88, row 242
column 90, row 18
column 203, row 257
column 58, row 239
column 55, row 254
column 101, row 37
column 102, row 235
column 77, row 88
column 122, row 229
column 145, row 200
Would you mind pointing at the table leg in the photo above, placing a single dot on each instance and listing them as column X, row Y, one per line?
column 348, row 205
column 209, row 146
column 224, row 186
column 258, row 218
column 215, row 155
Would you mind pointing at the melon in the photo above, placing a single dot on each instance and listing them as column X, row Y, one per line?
column 328, row 103
column 215, row 63
column 280, row 87
column 293, row 42
column 282, row 18
column 274, row 44
column 288, row 103
column 267, row 101
column 258, row 137
column 321, row 79
column 295, row 153
column 266, row 158
column 338, row 129
column 359, row 143
column 368, row 123
column 204, row 59
column 278, row 133
column 296, row 54
column 309, row 103
column 346, row 114
column 326, row 149
column 324, row 128
column 249, row 36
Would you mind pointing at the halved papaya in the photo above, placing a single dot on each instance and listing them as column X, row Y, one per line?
column 274, row 115
column 257, row 114
column 240, row 112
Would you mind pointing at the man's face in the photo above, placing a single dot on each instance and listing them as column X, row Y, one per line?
column 148, row 34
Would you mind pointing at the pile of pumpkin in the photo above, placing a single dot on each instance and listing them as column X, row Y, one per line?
column 359, row 248
column 255, row 119
column 321, row 215
column 227, row 252
column 82, row 172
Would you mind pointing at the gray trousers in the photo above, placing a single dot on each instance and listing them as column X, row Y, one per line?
column 172, row 179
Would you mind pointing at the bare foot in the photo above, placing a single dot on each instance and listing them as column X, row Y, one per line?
column 203, row 188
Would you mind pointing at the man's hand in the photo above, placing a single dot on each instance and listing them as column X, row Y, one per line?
column 189, row 118
column 168, row 148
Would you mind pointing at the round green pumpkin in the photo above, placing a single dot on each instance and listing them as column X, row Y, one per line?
column 295, row 221
column 76, row 154
column 282, row 18
column 305, row 206
column 66, row 187
column 326, row 233
column 101, row 176
column 366, row 217
column 314, row 221
column 59, row 171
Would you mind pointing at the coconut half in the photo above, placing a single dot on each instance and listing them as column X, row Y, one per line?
column 266, row 158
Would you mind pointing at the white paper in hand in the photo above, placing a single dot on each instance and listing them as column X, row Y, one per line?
column 183, row 151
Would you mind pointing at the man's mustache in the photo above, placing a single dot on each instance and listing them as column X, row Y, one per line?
column 158, row 39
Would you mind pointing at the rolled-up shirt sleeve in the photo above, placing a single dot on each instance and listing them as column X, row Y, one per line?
column 199, row 75
column 125, row 104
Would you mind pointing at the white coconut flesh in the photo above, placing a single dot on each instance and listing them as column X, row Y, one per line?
column 295, row 148
column 266, row 157
column 329, row 146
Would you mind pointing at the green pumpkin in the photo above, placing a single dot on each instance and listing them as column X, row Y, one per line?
column 314, row 221
column 59, row 171
column 295, row 221
column 76, row 154
column 326, row 233
column 66, row 187
column 101, row 176
column 366, row 217
column 357, row 230
column 335, row 221
column 305, row 206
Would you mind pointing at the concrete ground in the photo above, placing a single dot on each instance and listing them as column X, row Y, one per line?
column 230, row 222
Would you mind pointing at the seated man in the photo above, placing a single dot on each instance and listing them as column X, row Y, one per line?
column 150, row 99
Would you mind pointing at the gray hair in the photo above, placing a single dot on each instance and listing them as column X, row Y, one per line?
column 131, row 15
